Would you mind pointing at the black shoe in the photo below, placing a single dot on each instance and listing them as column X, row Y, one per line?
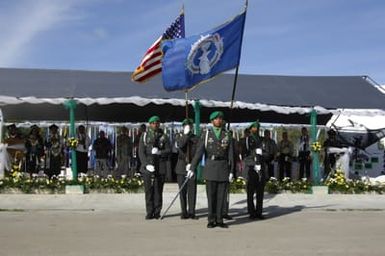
column 193, row 217
column 261, row 217
column 184, row 216
column 222, row 225
column 211, row 225
column 227, row 217
column 149, row 217
column 252, row 217
column 156, row 216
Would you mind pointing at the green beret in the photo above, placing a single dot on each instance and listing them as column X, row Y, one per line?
column 216, row 114
column 254, row 124
column 187, row 121
column 154, row 119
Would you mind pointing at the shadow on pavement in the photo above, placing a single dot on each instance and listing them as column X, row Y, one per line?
column 241, row 215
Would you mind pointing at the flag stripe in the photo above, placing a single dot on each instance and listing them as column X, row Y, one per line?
column 144, row 70
column 151, row 63
column 149, row 69
column 156, row 65
column 154, row 56
column 149, row 74
column 153, row 48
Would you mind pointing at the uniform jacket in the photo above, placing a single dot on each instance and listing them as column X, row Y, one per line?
column 250, row 144
column 149, row 140
column 186, row 145
column 219, row 155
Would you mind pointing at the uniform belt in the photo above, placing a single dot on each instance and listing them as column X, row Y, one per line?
column 217, row 158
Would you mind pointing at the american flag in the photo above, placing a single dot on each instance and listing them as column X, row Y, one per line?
column 151, row 64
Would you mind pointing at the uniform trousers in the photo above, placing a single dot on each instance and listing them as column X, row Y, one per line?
column 255, row 185
column 225, row 210
column 216, row 193
column 187, row 195
column 153, row 189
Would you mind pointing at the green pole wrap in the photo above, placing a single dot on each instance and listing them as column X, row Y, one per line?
column 71, row 105
column 315, row 155
column 197, row 112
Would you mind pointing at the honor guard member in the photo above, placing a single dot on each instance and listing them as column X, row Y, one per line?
column 216, row 145
column 254, row 165
column 154, row 149
column 226, row 202
column 186, row 143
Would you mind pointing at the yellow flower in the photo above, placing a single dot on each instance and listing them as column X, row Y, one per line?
column 72, row 142
column 316, row 146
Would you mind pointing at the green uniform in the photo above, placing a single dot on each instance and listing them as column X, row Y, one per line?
column 255, row 179
column 186, row 145
column 154, row 181
column 219, row 161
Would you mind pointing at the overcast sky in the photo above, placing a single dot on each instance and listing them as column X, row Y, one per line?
column 283, row 37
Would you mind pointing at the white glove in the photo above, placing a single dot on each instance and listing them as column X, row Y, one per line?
column 186, row 129
column 150, row 168
column 257, row 167
column 155, row 151
column 190, row 174
column 258, row 151
column 231, row 177
column 188, row 167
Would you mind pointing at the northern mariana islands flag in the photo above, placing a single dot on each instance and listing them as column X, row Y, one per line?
column 189, row 61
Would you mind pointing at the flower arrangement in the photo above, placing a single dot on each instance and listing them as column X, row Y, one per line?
column 316, row 146
column 339, row 184
column 23, row 182
column 275, row 186
column 72, row 142
column 56, row 185
column 238, row 185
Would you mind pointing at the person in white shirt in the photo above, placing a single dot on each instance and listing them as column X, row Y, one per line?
column 84, row 142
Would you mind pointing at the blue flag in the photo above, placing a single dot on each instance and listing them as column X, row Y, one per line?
column 195, row 59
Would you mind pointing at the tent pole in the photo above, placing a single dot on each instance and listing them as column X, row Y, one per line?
column 315, row 154
column 197, row 111
column 71, row 105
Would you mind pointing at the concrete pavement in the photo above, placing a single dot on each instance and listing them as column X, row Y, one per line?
column 135, row 201
column 113, row 224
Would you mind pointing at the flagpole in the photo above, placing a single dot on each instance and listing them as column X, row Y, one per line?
column 236, row 71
